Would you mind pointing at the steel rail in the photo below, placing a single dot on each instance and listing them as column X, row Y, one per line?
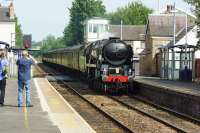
column 100, row 110
column 149, row 115
column 178, row 114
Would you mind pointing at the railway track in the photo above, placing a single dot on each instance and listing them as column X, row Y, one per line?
column 141, row 118
column 177, row 123
column 178, row 114
column 98, row 119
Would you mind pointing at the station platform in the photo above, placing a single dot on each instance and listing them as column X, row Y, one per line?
column 50, row 113
column 181, row 97
column 191, row 88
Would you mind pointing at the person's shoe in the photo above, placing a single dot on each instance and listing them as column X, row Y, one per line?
column 30, row 105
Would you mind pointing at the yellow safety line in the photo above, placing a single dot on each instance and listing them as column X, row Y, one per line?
column 26, row 122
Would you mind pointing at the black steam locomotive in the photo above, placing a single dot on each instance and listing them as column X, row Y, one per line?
column 108, row 64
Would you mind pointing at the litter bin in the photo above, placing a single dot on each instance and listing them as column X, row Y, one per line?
column 185, row 75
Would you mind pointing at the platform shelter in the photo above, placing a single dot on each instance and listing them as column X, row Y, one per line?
column 177, row 62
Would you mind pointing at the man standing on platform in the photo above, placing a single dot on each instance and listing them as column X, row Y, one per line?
column 3, row 74
column 24, row 76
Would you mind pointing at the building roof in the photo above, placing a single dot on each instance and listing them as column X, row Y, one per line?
column 181, row 35
column 161, row 25
column 5, row 15
column 129, row 32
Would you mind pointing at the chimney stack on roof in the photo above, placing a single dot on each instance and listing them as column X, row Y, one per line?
column 170, row 8
column 11, row 11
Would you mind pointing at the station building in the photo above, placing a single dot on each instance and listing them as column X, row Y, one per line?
column 159, row 32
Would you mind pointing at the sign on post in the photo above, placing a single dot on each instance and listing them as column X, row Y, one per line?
column 27, row 39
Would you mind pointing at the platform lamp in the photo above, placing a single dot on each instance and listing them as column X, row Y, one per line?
column 174, row 23
column 186, row 39
column 174, row 37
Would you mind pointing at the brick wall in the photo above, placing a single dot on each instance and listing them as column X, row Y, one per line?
column 149, row 61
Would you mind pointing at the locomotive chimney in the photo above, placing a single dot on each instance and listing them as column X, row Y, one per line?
column 169, row 8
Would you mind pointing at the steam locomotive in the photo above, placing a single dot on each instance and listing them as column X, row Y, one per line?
column 107, row 64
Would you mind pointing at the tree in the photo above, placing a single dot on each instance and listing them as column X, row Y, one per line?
column 18, row 34
column 135, row 13
column 50, row 42
column 79, row 12
column 196, row 4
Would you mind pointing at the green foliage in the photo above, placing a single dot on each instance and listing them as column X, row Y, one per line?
column 135, row 13
column 79, row 12
column 50, row 42
column 196, row 4
column 18, row 34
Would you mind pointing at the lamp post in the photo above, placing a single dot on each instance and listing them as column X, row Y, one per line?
column 121, row 29
column 13, row 39
column 186, row 39
column 174, row 40
column 174, row 24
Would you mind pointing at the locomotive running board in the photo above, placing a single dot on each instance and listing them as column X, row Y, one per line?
column 91, row 65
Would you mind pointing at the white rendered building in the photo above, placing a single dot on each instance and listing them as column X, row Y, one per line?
column 96, row 29
column 7, row 35
column 7, row 25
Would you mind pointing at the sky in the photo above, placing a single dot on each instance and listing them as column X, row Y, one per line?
column 44, row 17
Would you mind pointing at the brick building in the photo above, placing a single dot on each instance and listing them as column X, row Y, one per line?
column 159, row 32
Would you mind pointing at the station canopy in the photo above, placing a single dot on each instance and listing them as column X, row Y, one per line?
column 177, row 62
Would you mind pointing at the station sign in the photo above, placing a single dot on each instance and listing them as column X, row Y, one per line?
column 27, row 39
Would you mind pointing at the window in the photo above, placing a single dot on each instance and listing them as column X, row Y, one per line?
column 95, row 28
column 101, row 28
column 90, row 27
column 106, row 27
column 142, row 45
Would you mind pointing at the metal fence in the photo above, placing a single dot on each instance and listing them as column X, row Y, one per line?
column 12, row 58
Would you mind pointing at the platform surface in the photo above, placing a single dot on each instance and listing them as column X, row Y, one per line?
column 24, row 120
column 50, row 114
column 191, row 88
column 59, row 110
